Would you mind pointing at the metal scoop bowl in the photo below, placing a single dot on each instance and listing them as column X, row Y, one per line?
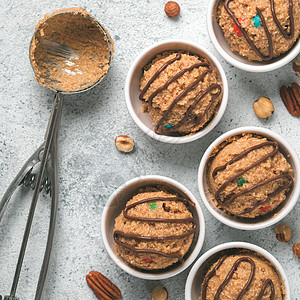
column 70, row 44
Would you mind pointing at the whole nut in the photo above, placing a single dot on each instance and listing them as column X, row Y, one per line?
column 283, row 233
column 124, row 143
column 291, row 98
column 263, row 107
column 159, row 293
column 296, row 66
column 296, row 249
column 172, row 9
column 102, row 287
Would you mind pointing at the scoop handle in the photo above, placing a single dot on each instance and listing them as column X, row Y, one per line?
column 52, row 165
column 30, row 163
column 53, row 121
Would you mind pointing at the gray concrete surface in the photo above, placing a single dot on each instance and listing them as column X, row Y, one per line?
column 90, row 167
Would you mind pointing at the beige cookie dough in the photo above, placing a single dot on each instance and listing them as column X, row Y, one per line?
column 245, row 11
column 272, row 167
column 69, row 51
column 263, row 271
column 161, row 209
column 199, row 117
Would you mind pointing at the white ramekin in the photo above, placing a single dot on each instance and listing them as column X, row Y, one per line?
column 116, row 204
column 217, row 37
column 252, row 224
column 132, row 90
column 197, row 273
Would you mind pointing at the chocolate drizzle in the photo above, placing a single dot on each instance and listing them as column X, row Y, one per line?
column 230, row 199
column 178, row 75
column 289, row 35
column 191, row 108
column 162, row 220
column 212, row 273
column 178, row 56
column 264, row 287
column 187, row 118
column 269, row 196
column 284, row 33
column 244, row 153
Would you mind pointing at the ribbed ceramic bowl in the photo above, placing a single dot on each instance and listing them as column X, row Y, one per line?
column 132, row 90
column 115, row 205
column 217, row 37
column 257, row 223
column 200, row 268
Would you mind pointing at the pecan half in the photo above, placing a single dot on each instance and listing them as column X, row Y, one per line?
column 291, row 98
column 102, row 287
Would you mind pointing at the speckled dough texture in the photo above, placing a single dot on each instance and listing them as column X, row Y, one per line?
column 163, row 100
column 270, row 168
column 245, row 11
column 164, row 210
column 263, row 271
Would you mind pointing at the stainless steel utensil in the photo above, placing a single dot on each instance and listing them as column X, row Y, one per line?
column 45, row 157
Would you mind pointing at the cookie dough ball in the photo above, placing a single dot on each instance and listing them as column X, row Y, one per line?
column 263, row 273
column 245, row 12
column 247, row 177
column 147, row 244
column 170, row 86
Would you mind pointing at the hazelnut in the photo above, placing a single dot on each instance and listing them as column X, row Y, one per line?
column 296, row 249
column 124, row 143
column 263, row 107
column 296, row 66
column 159, row 293
column 172, row 9
column 283, row 233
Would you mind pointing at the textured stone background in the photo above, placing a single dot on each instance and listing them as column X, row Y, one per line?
column 90, row 167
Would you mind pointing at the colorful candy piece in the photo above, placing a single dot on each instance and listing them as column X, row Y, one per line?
column 153, row 206
column 237, row 30
column 257, row 21
column 241, row 181
column 169, row 126
column 147, row 260
column 265, row 208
